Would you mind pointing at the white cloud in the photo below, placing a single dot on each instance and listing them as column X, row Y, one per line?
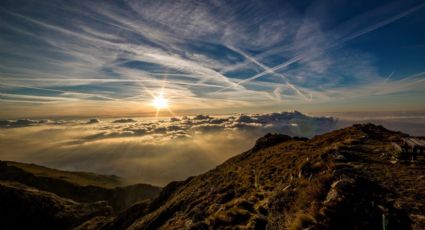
column 86, row 52
column 147, row 151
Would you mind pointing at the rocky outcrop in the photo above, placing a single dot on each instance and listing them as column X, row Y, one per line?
column 273, row 139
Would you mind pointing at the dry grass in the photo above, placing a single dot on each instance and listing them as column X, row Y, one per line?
column 283, row 185
column 302, row 221
column 78, row 178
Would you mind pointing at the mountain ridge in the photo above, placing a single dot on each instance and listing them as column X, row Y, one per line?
column 293, row 183
column 24, row 207
column 78, row 186
column 351, row 178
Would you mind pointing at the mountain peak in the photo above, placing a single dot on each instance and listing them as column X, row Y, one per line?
column 272, row 139
column 338, row 180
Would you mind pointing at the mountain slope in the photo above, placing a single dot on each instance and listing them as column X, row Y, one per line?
column 77, row 178
column 23, row 207
column 340, row 180
column 78, row 186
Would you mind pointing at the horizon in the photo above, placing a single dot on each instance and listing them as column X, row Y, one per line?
column 355, row 115
column 158, row 150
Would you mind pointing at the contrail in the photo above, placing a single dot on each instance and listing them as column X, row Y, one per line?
column 115, row 45
column 268, row 70
column 416, row 75
column 382, row 23
column 388, row 78
column 59, row 91
column 343, row 40
column 106, row 80
column 39, row 98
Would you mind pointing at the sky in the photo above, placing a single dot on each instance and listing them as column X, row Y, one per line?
column 103, row 58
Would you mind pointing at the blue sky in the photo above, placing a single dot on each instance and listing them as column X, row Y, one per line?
column 111, row 58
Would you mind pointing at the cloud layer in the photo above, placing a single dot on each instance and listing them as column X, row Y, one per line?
column 148, row 150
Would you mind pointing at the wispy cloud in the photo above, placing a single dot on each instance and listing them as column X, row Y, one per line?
column 322, row 49
column 200, row 53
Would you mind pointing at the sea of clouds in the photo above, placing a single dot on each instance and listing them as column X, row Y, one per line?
column 147, row 150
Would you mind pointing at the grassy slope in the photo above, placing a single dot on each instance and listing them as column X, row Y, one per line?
column 339, row 180
column 77, row 178
column 24, row 207
column 79, row 186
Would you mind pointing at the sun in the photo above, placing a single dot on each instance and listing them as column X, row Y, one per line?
column 160, row 102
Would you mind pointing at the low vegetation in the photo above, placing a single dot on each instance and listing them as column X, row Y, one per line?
column 78, row 186
column 333, row 181
column 345, row 179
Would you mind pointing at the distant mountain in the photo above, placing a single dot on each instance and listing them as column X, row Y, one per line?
column 23, row 207
column 78, row 186
column 345, row 179
column 350, row 178
column 76, row 178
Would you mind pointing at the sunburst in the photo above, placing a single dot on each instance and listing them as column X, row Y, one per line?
column 160, row 102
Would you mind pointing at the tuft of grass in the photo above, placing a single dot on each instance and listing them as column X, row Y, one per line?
column 233, row 216
column 302, row 221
